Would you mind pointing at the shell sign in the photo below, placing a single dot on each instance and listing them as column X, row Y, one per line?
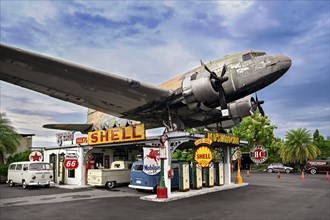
column 203, row 154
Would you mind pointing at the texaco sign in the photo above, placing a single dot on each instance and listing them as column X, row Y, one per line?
column 259, row 154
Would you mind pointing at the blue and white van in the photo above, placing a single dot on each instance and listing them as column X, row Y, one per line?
column 142, row 181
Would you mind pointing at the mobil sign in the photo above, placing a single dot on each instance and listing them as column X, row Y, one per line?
column 258, row 154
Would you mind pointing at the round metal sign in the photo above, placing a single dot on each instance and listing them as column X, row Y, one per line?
column 36, row 156
column 259, row 154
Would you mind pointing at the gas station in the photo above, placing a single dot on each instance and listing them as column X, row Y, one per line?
column 100, row 148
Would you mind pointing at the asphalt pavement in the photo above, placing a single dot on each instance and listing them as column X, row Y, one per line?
column 265, row 197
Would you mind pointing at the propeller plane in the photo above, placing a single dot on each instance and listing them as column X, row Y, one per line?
column 214, row 95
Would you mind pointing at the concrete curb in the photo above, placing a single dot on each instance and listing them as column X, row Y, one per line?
column 69, row 186
column 181, row 195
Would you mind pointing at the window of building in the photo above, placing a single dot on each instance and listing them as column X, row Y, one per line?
column 71, row 173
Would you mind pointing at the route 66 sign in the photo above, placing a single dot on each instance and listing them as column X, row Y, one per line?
column 71, row 163
column 258, row 154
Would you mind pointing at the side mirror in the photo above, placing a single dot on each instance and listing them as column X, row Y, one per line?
column 25, row 168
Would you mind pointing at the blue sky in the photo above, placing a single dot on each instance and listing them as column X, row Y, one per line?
column 155, row 41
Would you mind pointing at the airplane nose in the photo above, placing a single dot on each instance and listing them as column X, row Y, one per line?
column 284, row 62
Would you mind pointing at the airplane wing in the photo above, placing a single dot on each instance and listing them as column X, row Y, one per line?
column 83, row 128
column 108, row 93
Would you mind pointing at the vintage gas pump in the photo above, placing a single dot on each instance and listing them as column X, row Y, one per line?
column 161, row 189
column 88, row 166
column 209, row 181
column 219, row 180
column 197, row 176
column 184, row 179
column 52, row 160
column 61, row 168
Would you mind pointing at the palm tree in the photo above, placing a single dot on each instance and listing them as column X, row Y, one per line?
column 9, row 139
column 298, row 147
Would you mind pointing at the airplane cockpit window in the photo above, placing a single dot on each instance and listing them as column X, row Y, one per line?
column 251, row 55
column 247, row 57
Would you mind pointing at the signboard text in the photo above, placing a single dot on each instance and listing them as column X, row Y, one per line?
column 122, row 134
column 223, row 138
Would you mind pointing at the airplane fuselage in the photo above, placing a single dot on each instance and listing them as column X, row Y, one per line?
column 247, row 72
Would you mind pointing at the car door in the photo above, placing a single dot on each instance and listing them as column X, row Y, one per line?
column 19, row 173
column 281, row 168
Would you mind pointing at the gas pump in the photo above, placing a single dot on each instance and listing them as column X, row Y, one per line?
column 197, row 176
column 209, row 181
column 61, row 169
column 219, row 178
column 52, row 160
column 184, row 180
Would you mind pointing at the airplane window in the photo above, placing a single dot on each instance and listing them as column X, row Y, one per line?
column 247, row 57
column 260, row 54
column 251, row 55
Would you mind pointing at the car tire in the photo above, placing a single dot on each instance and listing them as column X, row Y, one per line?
column 288, row 171
column 154, row 189
column 312, row 171
column 47, row 185
column 11, row 183
column 110, row 184
column 24, row 185
column 269, row 170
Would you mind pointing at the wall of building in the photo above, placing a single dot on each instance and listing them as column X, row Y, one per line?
column 100, row 157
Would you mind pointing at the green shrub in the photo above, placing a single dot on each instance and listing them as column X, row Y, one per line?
column 3, row 169
column 22, row 156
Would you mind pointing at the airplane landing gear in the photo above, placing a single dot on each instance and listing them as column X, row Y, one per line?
column 175, row 124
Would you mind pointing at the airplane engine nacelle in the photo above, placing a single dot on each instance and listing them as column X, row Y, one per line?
column 242, row 107
column 197, row 90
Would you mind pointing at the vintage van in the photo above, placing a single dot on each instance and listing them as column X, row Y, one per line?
column 317, row 166
column 142, row 181
column 28, row 173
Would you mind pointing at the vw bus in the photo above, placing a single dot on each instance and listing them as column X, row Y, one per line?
column 142, row 181
column 28, row 173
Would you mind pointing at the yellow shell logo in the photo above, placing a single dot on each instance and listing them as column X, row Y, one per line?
column 203, row 156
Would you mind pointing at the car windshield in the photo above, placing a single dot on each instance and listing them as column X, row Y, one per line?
column 40, row 166
column 137, row 167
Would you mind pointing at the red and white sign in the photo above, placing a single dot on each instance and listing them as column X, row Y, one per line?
column 259, row 154
column 151, row 160
column 81, row 140
column 36, row 156
column 71, row 163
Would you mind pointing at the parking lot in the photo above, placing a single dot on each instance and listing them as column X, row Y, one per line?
column 266, row 197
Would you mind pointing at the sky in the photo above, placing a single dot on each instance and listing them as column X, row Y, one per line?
column 153, row 41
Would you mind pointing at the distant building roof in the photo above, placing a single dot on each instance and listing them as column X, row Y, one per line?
column 27, row 135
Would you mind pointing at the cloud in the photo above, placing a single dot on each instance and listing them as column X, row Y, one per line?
column 155, row 41
column 232, row 10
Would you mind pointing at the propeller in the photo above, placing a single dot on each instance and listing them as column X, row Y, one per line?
column 217, row 85
column 257, row 105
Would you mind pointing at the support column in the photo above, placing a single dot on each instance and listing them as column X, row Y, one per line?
column 167, row 167
column 164, row 188
column 227, row 166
